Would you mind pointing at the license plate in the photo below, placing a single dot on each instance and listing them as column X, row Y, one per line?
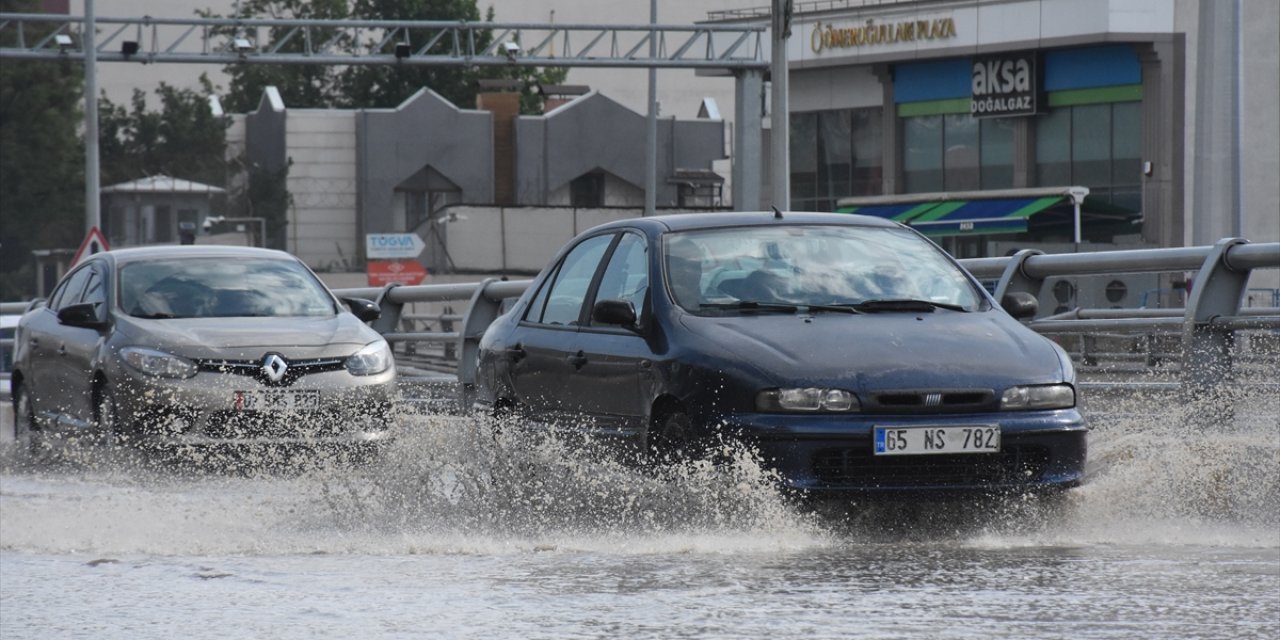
column 276, row 400
column 898, row 441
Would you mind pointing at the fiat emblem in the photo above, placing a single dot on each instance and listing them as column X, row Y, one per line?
column 274, row 367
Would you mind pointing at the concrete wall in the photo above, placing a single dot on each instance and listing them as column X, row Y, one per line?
column 594, row 132
column 322, row 184
column 511, row 239
column 425, row 131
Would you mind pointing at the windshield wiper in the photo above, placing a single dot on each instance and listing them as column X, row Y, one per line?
column 751, row 305
column 904, row 304
column 842, row 308
column 159, row 315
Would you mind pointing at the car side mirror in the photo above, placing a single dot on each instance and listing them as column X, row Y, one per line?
column 1020, row 304
column 84, row 314
column 365, row 310
column 619, row 312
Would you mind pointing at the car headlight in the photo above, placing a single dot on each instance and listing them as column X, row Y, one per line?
column 1049, row 396
column 158, row 363
column 810, row 399
column 373, row 359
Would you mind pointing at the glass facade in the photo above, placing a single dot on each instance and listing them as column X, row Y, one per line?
column 835, row 154
column 1095, row 145
column 956, row 152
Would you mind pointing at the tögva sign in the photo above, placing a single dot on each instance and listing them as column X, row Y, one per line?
column 384, row 246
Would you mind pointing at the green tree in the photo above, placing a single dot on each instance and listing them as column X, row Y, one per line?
column 41, row 161
column 301, row 86
column 183, row 139
column 371, row 86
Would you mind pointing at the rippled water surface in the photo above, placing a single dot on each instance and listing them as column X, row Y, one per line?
column 464, row 531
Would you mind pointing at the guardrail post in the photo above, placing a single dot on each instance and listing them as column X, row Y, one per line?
column 1206, row 348
column 389, row 321
column 1015, row 277
column 481, row 312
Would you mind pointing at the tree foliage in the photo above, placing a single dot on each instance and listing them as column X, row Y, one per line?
column 183, row 139
column 371, row 86
column 41, row 162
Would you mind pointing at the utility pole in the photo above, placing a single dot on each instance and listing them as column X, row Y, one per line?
column 780, row 136
column 88, row 42
column 651, row 124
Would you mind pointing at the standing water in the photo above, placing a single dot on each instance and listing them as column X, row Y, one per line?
column 466, row 530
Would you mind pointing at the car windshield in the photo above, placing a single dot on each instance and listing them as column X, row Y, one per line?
column 789, row 268
column 221, row 288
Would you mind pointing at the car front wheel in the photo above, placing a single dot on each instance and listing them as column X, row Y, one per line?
column 28, row 438
column 669, row 438
column 105, row 415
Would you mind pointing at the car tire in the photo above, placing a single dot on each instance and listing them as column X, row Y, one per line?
column 106, row 416
column 669, row 439
column 29, row 439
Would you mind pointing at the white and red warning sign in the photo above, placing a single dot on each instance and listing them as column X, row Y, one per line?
column 385, row 272
column 94, row 242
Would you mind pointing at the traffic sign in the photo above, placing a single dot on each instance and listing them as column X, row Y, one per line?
column 94, row 242
column 381, row 246
column 385, row 272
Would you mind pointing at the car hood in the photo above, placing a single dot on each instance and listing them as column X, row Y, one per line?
column 941, row 350
column 231, row 338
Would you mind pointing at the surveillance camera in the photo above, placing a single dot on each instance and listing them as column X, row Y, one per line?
column 511, row 49
column 63, row 41
column 243, row 45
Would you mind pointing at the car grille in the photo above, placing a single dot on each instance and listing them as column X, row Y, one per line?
column 916, row 401
column 253, row 368
column 859, row 467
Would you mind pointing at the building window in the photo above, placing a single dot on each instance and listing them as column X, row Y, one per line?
column 834, row 154
column 587, row 190
column 957, row 152
column 1093, row 145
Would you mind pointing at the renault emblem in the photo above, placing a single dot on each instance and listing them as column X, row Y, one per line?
column 274, row 367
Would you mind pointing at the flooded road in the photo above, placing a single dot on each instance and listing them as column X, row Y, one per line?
column 463, row 531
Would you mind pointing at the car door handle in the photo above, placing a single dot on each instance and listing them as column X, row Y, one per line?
column 516, row 353
column 577, row 360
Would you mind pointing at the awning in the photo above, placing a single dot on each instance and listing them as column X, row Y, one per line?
column 963, row 213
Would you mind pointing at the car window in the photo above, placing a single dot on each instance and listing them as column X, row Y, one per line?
column 221, row 288
column 569, row 289
column 810, row 265
column 94, row 291
column 626, row 277
column 71, row 289
column 539, row 303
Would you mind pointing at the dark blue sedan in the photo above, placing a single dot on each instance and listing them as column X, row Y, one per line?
column 852, row 353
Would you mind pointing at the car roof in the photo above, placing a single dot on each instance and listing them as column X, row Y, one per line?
column 182, row 251
column 720, row 219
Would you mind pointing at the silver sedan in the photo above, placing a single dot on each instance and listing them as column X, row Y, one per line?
column 200, row 345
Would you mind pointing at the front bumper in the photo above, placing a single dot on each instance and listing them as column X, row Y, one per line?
column 825, row 454
column 219, row 409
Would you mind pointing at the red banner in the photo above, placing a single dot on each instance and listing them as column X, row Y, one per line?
column 385, row 272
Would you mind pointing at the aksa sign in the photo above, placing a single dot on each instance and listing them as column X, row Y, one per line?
column 1005, row 85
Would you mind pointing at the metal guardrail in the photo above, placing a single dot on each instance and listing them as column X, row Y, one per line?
column 1207, row 326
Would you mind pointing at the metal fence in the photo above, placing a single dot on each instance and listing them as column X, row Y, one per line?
column 1197, row 346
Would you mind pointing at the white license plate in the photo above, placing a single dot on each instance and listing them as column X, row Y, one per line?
column 897, row 441
column 276, row 400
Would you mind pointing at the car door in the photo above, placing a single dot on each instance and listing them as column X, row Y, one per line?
column 543, row 347
column 77, row 348
column 44, row 339
column 617, row 360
